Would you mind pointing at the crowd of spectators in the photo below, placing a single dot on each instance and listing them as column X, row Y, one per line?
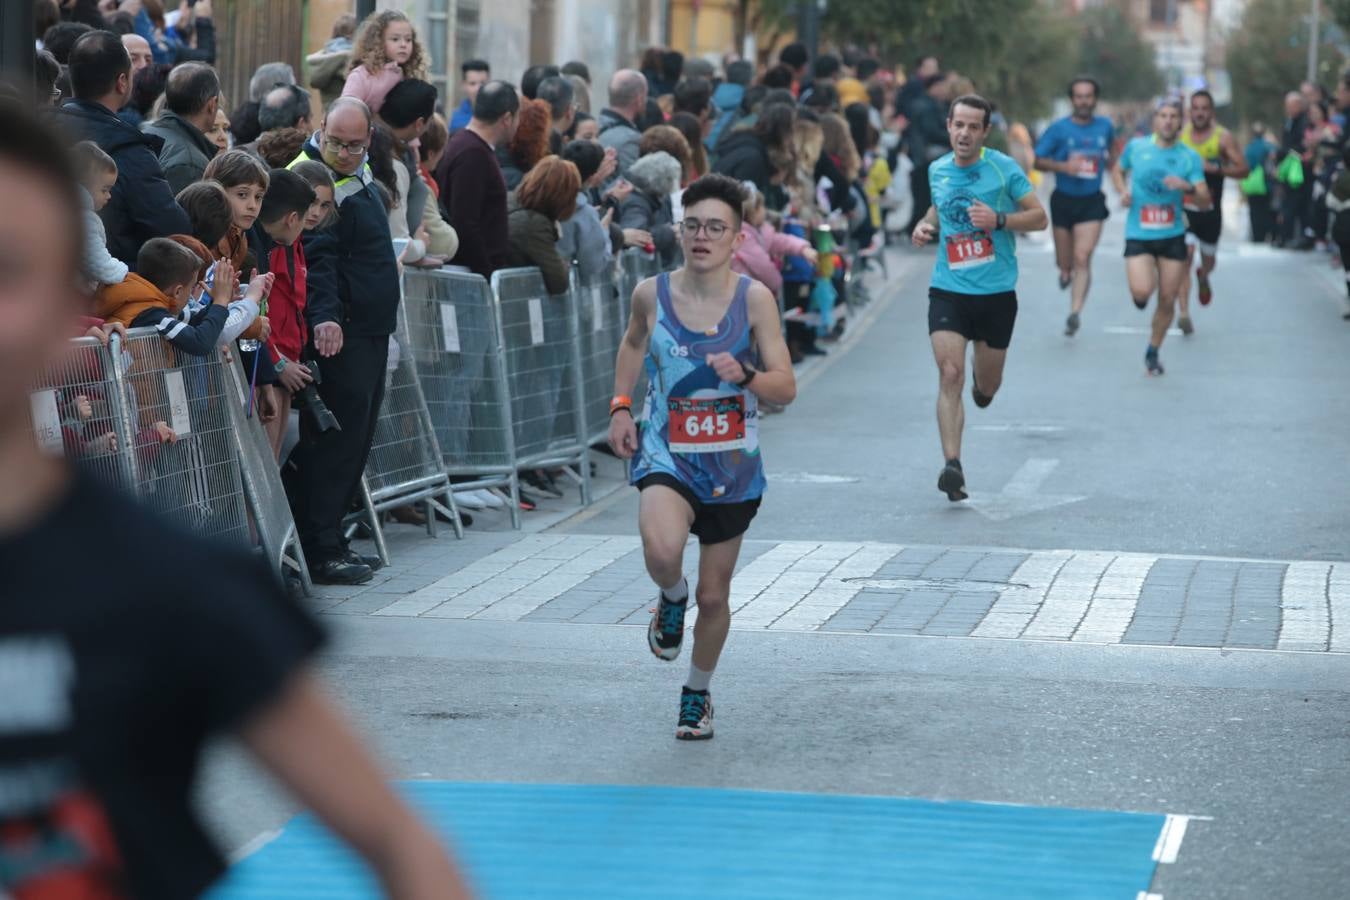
column 284, row 226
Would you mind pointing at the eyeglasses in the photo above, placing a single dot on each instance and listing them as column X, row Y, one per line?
column 714, row 228
column 355, row 148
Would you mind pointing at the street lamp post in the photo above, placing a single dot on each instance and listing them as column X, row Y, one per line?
column 1314, row 34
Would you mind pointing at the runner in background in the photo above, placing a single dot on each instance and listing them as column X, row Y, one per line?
column 1079, row 149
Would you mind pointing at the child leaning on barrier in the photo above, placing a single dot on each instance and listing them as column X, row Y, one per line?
column 763, row 248
column 275, row 240
column 154, row 295
column 98, row 174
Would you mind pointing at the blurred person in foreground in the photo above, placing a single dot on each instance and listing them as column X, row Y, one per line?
column 115, row 685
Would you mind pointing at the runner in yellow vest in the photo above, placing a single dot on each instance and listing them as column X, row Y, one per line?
column 1223, row 159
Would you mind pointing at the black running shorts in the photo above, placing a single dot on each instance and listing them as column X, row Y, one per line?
column 714, row 523
column 1206, row 225
column 1068, row 210
column 1164, row 248
column 988, row 318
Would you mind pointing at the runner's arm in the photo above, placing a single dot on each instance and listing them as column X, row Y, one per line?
column 1118, row 173
column 774, row 380
column 1201, row 199
column 1234, row 163
column 302, row 739
column 1030, row 215
column 1046, row 164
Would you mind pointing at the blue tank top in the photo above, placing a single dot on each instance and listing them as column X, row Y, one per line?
column 695, row 427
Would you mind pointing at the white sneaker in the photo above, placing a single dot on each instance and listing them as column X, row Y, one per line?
column 469, row 500
column 489, row 499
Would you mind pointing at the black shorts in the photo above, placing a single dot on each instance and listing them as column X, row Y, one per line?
column 1206, row 225
column 1068, row 210
column 1164, row 248
column 976, row 317
column 714, row 523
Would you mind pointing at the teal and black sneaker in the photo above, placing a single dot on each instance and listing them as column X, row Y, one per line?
column 696, row 716
column 1151, row 363
column 666, row 632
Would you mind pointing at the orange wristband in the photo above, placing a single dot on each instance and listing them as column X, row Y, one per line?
column 620, row 402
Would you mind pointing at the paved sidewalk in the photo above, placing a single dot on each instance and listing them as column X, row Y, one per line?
column 878, row 588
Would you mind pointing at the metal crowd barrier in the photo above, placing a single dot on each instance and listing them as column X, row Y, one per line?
column 602, row 318
column 542, row 361
column 170, row 429
column 454, row 333
column 405, row 466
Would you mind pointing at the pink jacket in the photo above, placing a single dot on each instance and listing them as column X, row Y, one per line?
column 762, row 251
column 372, row 87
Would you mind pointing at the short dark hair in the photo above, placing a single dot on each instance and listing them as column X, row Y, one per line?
column 973, row 101
column 166, row 263
column 209, row 210
column 235, row 167
column 867, row 67
column 286, row 193
column 824, row 97
column 586, row 156
column 34, row 146
column 827, row 66
column 558, row 93
column 533, row 77
column 96, row 61
column 693, row 95
column 191, row 86
column 344, row 26
column 794, row 55
column 495, row 99
column 1085, row 79
column 62, row 37
column 293, row 106
column 120, row 23
column 578, row 68
column 1203, row 93
column 741, row 72
column 672, row 65
column 716, row 187
column 147, row 86
column 474, row 65
column 434, row 139
column 780, row 76
column 409, row 100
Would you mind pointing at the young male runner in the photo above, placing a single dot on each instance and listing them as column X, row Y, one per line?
column 980, row 196
column 1161, row 172
column 714, row 348
column 1079, row 149
column 1223, row 158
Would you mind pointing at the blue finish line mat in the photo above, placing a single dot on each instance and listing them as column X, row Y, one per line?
column 601, row 841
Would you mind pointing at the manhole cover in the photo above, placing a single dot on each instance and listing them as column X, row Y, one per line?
column 967, row 585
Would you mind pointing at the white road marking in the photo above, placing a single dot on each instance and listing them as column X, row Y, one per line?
column 1137, row 330
column 1305, row 611
column 810, row 478
column 1170, row 838
column 1024, row 428
column 1338, row 603
column 1021, row 495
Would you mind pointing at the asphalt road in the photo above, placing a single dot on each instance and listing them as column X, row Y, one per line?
column 1237, row 451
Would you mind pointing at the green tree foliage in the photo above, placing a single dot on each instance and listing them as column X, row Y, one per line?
column 1268, row 55
column 1113, row 52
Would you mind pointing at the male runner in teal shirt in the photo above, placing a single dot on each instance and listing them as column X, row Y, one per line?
column 980, row 197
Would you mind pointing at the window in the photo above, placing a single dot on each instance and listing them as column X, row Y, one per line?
column 438, row 50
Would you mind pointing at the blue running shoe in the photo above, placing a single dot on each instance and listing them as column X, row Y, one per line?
column 666, row 632
column 696, row 716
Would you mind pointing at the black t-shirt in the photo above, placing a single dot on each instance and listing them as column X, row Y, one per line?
column 124, row 645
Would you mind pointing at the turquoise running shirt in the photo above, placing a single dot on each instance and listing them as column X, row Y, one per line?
column 970, row 261
column 1155, row 210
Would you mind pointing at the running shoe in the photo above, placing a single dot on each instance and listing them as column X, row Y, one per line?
column 1065, row 281
column 696, row 716
column 1151, row 363
column 666, row 632
column 952, row 482
column 1186, row 325
column 1205, row 291
column 1071, row 325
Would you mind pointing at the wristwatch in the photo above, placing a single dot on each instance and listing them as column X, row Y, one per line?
column 1002, row 221
column 749, row 375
